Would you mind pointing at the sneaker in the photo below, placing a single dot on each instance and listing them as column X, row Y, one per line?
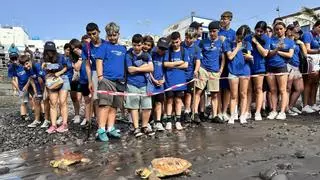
column 272, row 115
column 102, row 136
column 137, row 132
column 243, row 119
column 257, row 117
column 62, row 128
column 178, row 126
column 202, row 117
column 217, row 120
column 114, row 133
column 27, row 118
column 52, row 129
column 159, row 127
column 294, row 109
column 187, row 117
column 83, row 123
column 281, row 116
column 168, row 126
column 315, row 107
column 147, row 131
column 34, row 124
column 59, row 121
column 225, row 117
column 76, row 119
column 292, row 113
column 236, row 116
column 307, row 109
column 197, row 118
column 149, row 126
column 231, row 120
column 45, row 124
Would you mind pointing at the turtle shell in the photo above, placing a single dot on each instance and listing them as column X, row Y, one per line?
column 169, row 166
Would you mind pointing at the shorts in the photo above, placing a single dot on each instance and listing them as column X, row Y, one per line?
column 189, row 87
column 135, row 102
column 294, row 72
column 313, row 62
column 277, row 69
column 24, row 97
column 213, row 85
column 172, row 94
column 158, row 98
column 84, row 89
column 66, row 83
column 95, row 84
column 75, row 86
column 109, row 100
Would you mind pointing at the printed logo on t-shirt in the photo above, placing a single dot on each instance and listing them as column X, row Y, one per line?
column 117, row 53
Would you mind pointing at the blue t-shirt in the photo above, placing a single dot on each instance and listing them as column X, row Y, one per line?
column 176, row 76
column 92, row 53
column 69, row 71
column 158, row 70
column 295, row 61
column 259, row 62
column 277, row 60
column 113, row 56
column 35, row 72
column 11, row 69
column 83, row 78
column 194, row 53
column 229, row 34
column 22, row 76
column 238, row 65
column 138, row 79
column 311, row 39
column 197, row 42
column 211, row 52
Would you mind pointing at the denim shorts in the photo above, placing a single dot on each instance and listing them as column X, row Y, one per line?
column 66, row 83
column 95, row 84
column 135, row 102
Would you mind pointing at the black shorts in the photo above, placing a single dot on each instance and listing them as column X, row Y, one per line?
column 172, row 94
column 84, row 89
column 277, row 69
column 75, row 86
column 190, row 87
column 158, row 98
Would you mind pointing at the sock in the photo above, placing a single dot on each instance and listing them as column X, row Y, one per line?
column 186, row 111
column 104, row 129
column 110, row 128
column 178, row 118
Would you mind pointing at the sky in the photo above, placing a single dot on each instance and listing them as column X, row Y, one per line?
column 66, row 19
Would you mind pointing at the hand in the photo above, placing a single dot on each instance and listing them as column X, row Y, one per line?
column 239, row 44
column 56, row 74
column 100, row 78
column 25, row 89
column 20, row 93
column 247, row 56
column 161, row 82
column 222, row 38
column 91, row 88
column 280, row 45
column 195, row 74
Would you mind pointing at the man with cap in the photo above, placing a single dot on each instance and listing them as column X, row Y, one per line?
column 198, row 26
column 159, row 54
column 210, row 69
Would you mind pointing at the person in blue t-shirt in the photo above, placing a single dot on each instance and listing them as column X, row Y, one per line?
column 295, row 77
column 198, row 27
column 210, row 70
column 76, row 49
column 111, row 76
column 260, row 48
column 89, row 54
column 158, row 55
column 194, row 53
column 13, row 49
column 281, row 50
column 148, row 44
column 225, row 33
column 311, row 40
column 175, row 73
column 239, row 56
column 137, row 83
column 36, row 78
column 11, row 68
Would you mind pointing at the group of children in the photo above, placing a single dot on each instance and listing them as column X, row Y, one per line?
column 229, row 68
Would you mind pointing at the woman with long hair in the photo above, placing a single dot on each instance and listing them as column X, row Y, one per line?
column 239, row 55
column 281, row 50
column 56, row 66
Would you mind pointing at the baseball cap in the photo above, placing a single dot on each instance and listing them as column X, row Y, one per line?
column 214, row 25
column 49, row 46
column 195, row 24
column 163, row 43
column 13, row 55
column 290, row 26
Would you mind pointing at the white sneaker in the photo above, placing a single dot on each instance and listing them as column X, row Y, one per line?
column 294, row 109
column 236, row 116
column 243, row 119
column 149, row 127
column 59, row 121
column 159, row 127
column 281, row 116
column 272, row 115
column 257, row 117
column 179, row 126
column 84, row 122
column 225, row 117
column 248, row 115
column 76, row 120
column 315, row 107
column 292, row 113
column 34, row 124
column 45, row 124
column 168, row 126
column 231, row 120
column 307, row 109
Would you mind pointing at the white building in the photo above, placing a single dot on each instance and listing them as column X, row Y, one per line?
column 184, row 24
column 305, row 21
column 16, row 35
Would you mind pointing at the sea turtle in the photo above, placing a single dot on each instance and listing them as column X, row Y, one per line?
column 68, row 159
column 162, row 167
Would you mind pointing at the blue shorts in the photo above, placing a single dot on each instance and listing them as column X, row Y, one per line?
column 66, row 83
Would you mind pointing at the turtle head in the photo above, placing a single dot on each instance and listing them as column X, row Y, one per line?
column 144, row 173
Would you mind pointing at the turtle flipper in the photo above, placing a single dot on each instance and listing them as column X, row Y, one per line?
column 144, row 173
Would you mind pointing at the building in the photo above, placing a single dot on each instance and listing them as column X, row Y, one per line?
column 16, row 35
column 305, row 21
column 182, row 25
